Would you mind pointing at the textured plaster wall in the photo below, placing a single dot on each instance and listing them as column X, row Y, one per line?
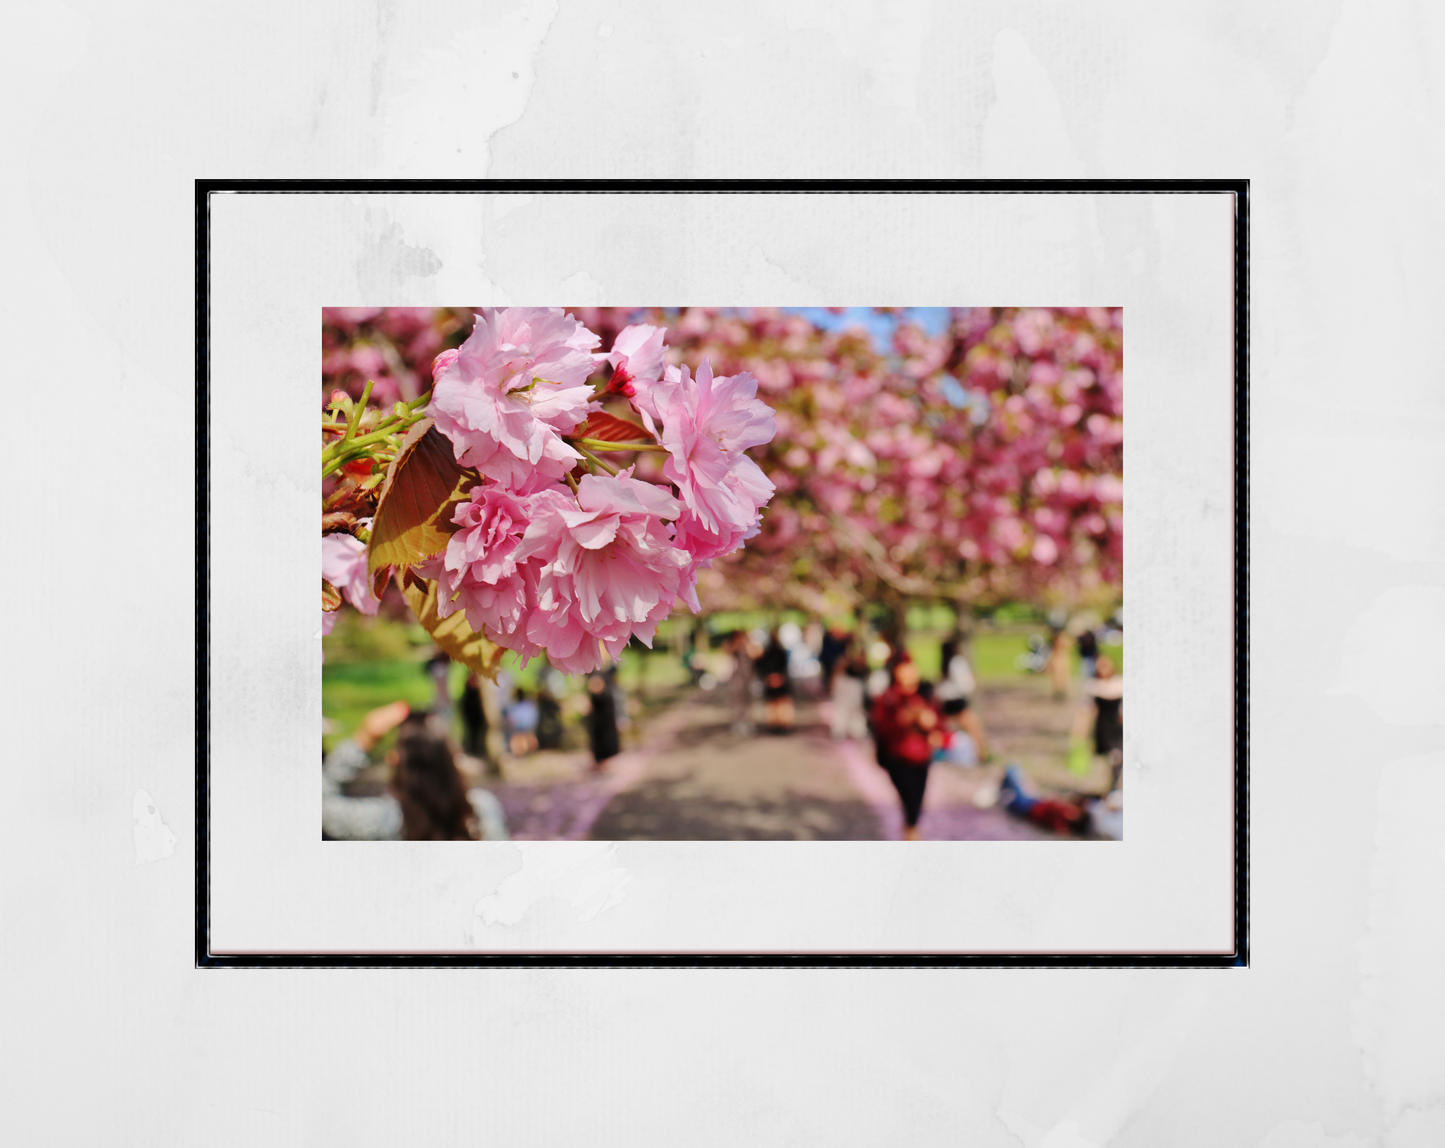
column 1335, row 1038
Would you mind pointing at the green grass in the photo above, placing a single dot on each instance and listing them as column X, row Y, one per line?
column 350, row 691
column 994, row 654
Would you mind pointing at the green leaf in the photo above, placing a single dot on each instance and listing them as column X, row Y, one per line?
column 453, row 634
column 413, row 519
column 330, row 597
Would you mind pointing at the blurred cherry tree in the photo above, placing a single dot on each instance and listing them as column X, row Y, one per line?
column 979, row 464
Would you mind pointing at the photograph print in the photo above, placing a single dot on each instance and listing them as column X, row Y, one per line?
column 708, row 574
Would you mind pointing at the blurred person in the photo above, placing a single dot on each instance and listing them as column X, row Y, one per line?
column 521, row 719
column 741, row 653
column 549, row 719
column 880, row 668
column 474, row 719
column 1103, row 701
column 772, row 670
column 1017, row 797
column 438, row 668
column 1088, row 646
column 958, row 682
column 602, row 735
column 849, row 688
column 834, row 645
column 963, row 734
column 952, row 646
column 1057, row 667
column 428, row 800
column 906, row 728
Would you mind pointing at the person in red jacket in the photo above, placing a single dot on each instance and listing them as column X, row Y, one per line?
column 906, row 729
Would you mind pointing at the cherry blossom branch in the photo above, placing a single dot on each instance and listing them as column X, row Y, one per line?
column 350, row 448
column 878, row 560
column 590, row 457
column 600, row 444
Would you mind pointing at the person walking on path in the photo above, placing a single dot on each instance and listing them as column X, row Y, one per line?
column 906, row 728
column 740, row 680
column 849, row 686
column 772, row 668
column 474, row 719
column 602, row 722
column 549, row 719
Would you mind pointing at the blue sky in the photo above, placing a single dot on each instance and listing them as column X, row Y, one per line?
column 931, row 319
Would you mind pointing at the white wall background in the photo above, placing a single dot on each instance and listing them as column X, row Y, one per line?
column 1335, row 1037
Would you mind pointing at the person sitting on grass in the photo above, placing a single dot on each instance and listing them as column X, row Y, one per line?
column 428, row 799
column 1089, row 816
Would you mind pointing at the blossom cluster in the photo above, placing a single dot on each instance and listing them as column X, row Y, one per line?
column 542, row 561
column 982, row 460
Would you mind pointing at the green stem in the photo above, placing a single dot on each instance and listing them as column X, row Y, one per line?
column 339, row 453
column 590, row 457
column 358, row 410
column 599, row 444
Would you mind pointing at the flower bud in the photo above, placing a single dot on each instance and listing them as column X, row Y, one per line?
column 443, row 361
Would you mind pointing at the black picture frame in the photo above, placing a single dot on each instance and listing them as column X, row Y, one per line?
column 1238, row 958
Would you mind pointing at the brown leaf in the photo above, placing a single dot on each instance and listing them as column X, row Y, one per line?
column 609, row 428
column 453, row 634
column 353, row 500
column 338, row 522
column 330, row 597
column 414, row 512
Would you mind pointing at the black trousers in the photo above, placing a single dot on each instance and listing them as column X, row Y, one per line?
column 910, row 781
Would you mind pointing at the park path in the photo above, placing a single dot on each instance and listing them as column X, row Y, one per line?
column 692, row 778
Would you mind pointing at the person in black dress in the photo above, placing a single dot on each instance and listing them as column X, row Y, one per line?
column 549, row 720
column 1106, row 692
column 772, row 669
column 474, row 719
column 602, row 721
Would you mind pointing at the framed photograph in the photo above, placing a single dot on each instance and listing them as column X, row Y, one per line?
column 722, row 573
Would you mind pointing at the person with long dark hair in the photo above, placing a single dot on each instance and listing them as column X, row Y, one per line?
column 906, row 731
column 428, row 800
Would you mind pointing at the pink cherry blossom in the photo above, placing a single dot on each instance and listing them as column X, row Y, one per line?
column 442, row 362
column 343, row 564
column 516, row 386
column 707, row 424
column 637, row 357
column 610, row 569
column 479, row 572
